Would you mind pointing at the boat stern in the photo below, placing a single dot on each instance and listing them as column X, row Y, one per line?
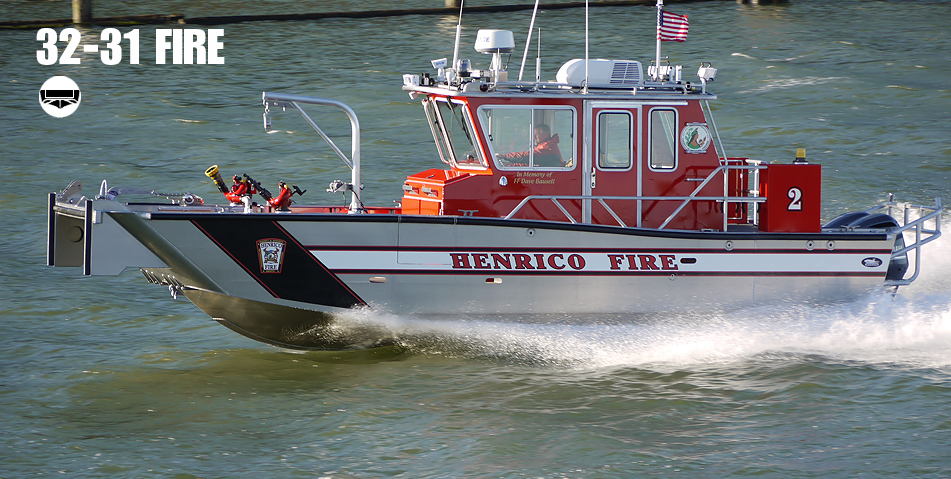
column 912, row 225
column 73, row 221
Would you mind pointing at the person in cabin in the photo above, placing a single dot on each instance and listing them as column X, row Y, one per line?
column 545, row 152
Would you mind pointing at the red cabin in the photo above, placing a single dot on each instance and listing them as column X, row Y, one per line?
column 626, row 151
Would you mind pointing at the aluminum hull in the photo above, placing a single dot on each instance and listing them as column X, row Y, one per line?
column 404, row 264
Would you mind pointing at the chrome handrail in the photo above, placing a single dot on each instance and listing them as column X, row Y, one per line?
column 704, row 183
column 284, row 101
column 600, row 199
column 693, row 196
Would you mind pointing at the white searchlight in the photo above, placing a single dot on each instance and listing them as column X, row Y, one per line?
column 706, row 73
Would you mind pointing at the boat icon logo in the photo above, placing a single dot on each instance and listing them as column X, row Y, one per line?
column 871, row 262
column 60, row 96
column 271, row 254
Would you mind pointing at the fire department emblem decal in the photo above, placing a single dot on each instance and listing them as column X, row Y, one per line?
column 271, row 254
column 695, row 138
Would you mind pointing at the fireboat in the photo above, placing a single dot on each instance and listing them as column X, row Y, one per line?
column 606, row 190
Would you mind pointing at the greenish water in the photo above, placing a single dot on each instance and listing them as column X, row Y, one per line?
column 111, row 377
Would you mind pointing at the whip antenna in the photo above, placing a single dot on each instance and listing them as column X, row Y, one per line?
column 538, row 59
column 528, row 41
column 455, row 51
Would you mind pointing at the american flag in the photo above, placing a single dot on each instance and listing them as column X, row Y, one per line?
column 673, row 27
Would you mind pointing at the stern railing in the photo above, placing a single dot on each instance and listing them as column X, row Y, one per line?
column 915, row 218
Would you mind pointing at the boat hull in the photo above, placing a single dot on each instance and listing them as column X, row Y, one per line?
column 285, row 326
column 283, row 279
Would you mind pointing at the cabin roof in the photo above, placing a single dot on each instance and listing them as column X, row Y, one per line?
column 656, row 91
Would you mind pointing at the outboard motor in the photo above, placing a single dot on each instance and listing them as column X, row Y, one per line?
column 898, row 265
column 862, row 220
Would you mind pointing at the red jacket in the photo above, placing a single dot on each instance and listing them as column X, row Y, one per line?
column 546, row 153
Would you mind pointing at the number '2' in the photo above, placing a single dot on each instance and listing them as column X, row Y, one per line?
column 795, row 199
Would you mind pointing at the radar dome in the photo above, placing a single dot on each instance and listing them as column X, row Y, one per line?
column 495, row 41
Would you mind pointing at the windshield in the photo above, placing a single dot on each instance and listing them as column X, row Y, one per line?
column 452, row 130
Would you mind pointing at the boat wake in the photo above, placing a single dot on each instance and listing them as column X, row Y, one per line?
column 911, row 329
column 878, row 329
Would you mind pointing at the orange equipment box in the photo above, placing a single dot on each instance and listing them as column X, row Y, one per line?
column 793, row 198
column 423, row 193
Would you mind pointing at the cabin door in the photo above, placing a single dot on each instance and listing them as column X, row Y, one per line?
column 612, row 167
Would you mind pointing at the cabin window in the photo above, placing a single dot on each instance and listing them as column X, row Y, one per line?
column 433, row 120
column 523, row 137
column 454, row 134
column 614, row 140
column 663, row 139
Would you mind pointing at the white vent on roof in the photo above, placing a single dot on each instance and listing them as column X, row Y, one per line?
column 602, row 73
column 626, row 73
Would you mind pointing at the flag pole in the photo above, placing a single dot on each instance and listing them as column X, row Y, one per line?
column 585, row 89
column 660, row 19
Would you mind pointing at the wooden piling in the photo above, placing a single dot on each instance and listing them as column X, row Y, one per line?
column 82, row 11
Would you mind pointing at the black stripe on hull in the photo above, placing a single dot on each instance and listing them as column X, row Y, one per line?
column 541, row 224
column 502, row 249
column 657, row 273
column 302, row 277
